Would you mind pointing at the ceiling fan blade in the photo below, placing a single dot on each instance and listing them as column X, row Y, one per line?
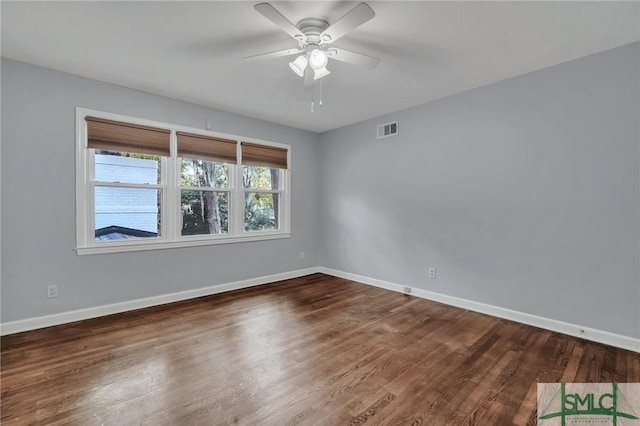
column 353, row 19
column 277, row 54
column 276, row 17
column 353, row 58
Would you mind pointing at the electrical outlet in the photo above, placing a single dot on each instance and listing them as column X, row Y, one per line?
column 52, row 291
column 407, row 290
column 302, row 256
column 432, row 272
column 209, row 127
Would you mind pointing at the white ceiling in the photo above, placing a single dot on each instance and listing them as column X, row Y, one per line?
column 193, row 50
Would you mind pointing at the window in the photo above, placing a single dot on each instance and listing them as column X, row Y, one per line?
column 205, row 163
column 147, row 185
column 261, row 185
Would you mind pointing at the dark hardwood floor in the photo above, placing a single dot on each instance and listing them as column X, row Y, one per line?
column 316, row 350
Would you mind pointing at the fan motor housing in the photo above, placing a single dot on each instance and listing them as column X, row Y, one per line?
column 312, row 28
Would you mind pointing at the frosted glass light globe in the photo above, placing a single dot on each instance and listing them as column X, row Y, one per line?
column 318, row 59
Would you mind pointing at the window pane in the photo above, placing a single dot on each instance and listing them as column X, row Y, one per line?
column 204, row 173
column 126, row 213
column 257, row 177
column 205, row 212
column 260, row 211
column 125, row 167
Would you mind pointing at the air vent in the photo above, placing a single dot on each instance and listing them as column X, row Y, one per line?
column 386, row 130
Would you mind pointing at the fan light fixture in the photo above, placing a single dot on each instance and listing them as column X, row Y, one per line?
column 314, row 37
column 298, row 66
column 322, row 72
column 318, row 59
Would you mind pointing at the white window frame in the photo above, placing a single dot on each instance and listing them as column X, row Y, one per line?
column 170, row 185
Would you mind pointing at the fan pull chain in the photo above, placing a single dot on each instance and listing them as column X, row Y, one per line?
column 316, row 96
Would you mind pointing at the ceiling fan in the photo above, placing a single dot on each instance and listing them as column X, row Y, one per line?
column 314, row 37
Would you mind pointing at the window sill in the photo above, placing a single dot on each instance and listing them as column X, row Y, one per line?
column 129, row 246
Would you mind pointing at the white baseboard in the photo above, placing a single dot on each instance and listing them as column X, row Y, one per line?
column 600, row 336
column 115, row 308
column 575, row 330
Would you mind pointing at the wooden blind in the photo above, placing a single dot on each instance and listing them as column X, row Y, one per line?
column 206, row 148
column 262, row 155
column 119, row 136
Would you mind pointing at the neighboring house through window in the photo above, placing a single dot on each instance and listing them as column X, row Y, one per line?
column 125, row 212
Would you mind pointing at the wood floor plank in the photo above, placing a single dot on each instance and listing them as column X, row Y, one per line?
column 315, row 350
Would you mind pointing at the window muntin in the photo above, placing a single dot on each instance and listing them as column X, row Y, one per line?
column 199, row 188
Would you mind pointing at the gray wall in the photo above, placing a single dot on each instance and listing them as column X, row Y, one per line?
column 523, row 194
column 38, row 201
